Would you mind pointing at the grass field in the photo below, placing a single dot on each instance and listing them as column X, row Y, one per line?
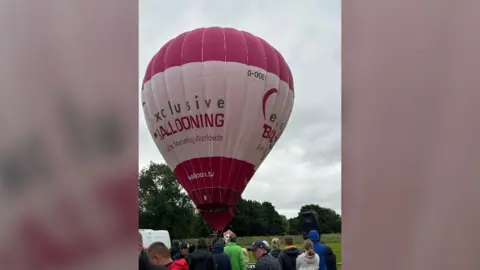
column 332, row 240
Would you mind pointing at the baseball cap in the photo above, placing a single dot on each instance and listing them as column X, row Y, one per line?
column 257, row 245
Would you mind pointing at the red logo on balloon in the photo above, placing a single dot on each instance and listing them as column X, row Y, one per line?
column 265, row 99
column 268, row 131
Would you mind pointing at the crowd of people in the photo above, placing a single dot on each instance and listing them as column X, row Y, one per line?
column 226, row 254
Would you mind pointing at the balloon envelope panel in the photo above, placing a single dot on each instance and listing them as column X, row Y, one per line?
column 216, row 100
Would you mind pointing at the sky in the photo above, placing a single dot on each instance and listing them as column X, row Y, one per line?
column 304, row 167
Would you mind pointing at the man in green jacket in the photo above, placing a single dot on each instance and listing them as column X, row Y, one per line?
column 235, row 253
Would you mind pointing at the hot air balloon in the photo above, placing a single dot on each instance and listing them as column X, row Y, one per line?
column 216, row 100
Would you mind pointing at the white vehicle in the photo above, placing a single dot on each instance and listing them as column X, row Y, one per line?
column 151, row 236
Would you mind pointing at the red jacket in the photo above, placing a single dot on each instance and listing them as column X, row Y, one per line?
column 179, row 265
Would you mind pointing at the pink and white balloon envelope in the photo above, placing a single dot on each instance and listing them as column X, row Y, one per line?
column 216, row 100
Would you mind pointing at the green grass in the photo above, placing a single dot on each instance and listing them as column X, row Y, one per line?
column 332, row 240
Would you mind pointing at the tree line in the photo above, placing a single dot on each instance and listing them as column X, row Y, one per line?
column 163, row 204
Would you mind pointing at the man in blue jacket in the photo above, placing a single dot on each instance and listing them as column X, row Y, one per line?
column 319, row 248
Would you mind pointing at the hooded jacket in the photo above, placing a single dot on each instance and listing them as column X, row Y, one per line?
column 235, row 253
column 319, row 248
column 306, row 262
column 221, row 258
column 288, row 257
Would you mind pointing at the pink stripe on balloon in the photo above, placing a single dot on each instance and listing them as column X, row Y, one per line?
column 219, row 44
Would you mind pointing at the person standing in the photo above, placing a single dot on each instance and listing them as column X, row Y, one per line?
column 222, row 261
column 235, row 254
column 182, row 252
column 175, row 249
column 275, row 251
column 319, row 248
column 201, row 258
column 288, row 256
column 308, row 260
column 265, row 261
column 330, row 259
column 160, row 258
column 268, row 247
column 191, row 248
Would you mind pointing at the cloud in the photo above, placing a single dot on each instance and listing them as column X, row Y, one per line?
column 304, row 166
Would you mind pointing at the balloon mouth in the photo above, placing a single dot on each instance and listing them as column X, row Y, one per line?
column 217, row 216
column 215, row 209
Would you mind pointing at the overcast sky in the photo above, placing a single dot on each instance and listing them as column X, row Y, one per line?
column 304, row 166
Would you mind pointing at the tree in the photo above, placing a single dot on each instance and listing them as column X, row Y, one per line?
column 240, row 223
column 284, row 223
column 256, row 219
column 163, row 204
column 294, row 226
column 274, row 221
